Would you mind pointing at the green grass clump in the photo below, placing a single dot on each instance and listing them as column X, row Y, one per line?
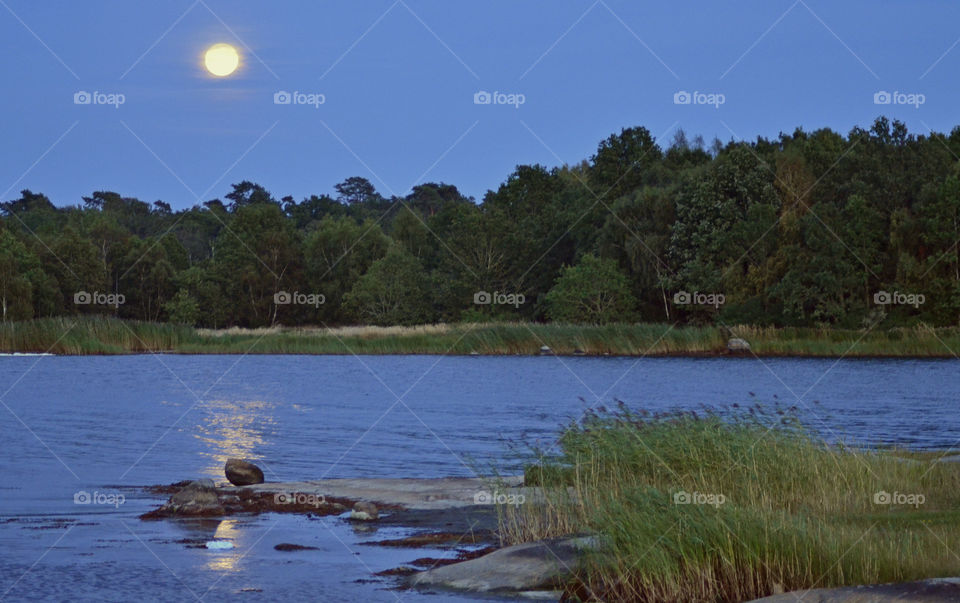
column 771, row 508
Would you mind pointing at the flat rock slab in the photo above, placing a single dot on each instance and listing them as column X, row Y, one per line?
column 409, row 493
column 546, row 564
column 923, row 591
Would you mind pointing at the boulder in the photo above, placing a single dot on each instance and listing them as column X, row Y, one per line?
column 364, row 511
column 545, row 350
column 242, row 473
column 196, row 499
column 735, row 344
column 546, row 564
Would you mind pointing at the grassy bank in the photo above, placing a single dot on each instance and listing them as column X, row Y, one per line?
column 98, row 335
column 704, row 508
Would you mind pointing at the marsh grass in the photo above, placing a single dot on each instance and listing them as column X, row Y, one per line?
column 796, row 513
column 105, row 335
column 91, row 335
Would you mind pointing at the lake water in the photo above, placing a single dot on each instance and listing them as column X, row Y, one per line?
column 105, row 425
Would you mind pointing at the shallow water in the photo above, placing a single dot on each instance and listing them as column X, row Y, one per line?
column 103, row 425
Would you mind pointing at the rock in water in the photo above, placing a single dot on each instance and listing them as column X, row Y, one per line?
column 196, row 499
column 364, row 511
column 546, row 564
column 736, row 344
column 286, row 546
column 242, row 473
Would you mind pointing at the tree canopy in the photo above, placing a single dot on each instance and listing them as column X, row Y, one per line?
column 807, row 229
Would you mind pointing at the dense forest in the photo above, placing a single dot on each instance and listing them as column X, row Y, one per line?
column 810, row 229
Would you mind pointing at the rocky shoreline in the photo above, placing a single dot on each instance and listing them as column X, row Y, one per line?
column 446, row 512
column 454, row 512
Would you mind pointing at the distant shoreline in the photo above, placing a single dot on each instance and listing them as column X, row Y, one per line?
column 690, row 355
column 95, row 335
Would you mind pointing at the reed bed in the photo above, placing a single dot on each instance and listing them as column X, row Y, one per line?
column 91, row 335
column 737, row 506
column 106, row 335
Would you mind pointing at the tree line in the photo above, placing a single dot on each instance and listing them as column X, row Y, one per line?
column 808, row 229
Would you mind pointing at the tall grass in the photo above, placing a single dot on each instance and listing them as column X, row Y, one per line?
column 91, row 335
column 771, row 509
column 103, row 335
column 920, row 340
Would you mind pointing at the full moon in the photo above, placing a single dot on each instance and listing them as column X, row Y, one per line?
column 221, row 59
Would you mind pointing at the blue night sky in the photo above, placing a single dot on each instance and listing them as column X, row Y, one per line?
column 398, row 78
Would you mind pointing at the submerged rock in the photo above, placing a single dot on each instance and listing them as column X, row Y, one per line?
column 286, row 546
column 364, row 511
column 546, row 564
column 242, row 473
